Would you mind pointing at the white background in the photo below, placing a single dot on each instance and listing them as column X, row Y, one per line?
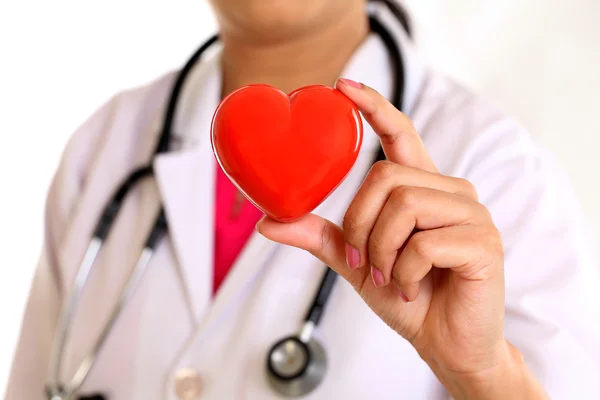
column 60, row 59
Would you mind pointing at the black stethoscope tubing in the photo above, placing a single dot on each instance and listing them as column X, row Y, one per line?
column 160, row 225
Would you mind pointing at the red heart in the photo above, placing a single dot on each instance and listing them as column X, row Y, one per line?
column 286, row 154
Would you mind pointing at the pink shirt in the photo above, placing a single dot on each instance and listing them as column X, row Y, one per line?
column 235, row 219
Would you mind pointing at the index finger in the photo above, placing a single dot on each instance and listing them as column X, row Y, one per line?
column 399, row 138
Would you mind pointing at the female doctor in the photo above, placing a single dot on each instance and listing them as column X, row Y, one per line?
column 465, row 270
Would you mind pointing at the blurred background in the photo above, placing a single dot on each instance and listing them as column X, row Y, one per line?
column 61, row 59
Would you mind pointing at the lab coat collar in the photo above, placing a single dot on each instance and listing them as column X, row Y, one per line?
column 186, row 176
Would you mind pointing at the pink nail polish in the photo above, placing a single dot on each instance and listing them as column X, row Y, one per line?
column 377, row 277
column 401, row 294
column 352, row 257
column 351, row 83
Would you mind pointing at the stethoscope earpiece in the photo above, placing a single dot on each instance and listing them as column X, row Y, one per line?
column 295, row 368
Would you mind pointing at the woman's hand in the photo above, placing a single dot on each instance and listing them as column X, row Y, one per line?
column 425, row 255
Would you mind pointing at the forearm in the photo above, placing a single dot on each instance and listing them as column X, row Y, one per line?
column 511, row 379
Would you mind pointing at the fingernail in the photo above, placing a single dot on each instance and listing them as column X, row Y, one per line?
column 350, row 83
column 352, row 257
column 377, row 277
column 402, row 295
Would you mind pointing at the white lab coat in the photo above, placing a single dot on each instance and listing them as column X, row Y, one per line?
column 173, row 323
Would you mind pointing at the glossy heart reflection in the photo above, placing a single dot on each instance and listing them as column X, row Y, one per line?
column 286, row 154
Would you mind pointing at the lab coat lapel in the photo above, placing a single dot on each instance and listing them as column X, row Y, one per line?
column 186, row 178
column 185, row 182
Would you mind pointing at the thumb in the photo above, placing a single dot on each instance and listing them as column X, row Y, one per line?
column 318, row 236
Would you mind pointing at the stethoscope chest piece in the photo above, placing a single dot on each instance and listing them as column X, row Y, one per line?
column 295, row 368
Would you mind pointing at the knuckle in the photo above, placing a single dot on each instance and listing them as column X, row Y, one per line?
column 325, row 235
column 404, row 127
column 317, row 247
column 420, row 244
column 382, row 170
column 488, row 245
column 481, row 213
column 485, row 212
column 494, row 243
column 404, row 197
column 467, row 188
column 393, row 135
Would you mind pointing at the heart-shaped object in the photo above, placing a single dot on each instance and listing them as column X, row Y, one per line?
column 286, row 154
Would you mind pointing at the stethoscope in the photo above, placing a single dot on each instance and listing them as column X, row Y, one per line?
column 296, row 364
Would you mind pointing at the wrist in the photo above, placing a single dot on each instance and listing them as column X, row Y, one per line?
column 507, row 378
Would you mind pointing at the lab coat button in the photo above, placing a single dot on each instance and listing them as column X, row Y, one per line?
column 188, row 384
